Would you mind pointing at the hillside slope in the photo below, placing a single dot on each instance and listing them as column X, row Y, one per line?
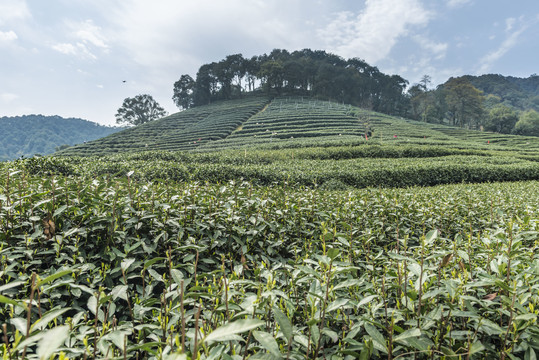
column 37, row 134
column 520, row 93
column 288, row 122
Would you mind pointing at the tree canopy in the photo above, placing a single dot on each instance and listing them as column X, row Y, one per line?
column 304, row 72
column 139, row 110
column 528, row 124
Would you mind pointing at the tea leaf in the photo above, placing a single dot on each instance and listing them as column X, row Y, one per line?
column 232, row 328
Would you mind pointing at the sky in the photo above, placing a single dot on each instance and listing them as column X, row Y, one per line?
column 71, row 57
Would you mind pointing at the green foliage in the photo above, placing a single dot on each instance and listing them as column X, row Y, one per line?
column 304, row 72
column 464, row 102
column 517, row 93
column 183, row 92
column 528, row 124
column 139, row 110
column 122, row 268
column 24, row 136
column 501, row 119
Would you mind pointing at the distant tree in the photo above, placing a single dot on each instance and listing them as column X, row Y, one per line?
column 183, row 92
column 139, row 110
column 501, row 119
column 464, row 102
column 425, row 82
column 528, row 124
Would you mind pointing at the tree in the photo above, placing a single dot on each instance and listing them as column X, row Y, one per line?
column 183, row 92
column 528, row 124
column 501, row 119
column 464, row 102
column 139, row 110
column 272, row 75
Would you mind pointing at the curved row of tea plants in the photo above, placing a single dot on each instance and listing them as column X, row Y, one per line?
column 337, row 168
column 180, row 131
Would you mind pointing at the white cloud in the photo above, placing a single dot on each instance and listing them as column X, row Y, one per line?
column 457, row 3
column 373, row 32
column 438, row 49
column 510, row 41
column 13, row 10
column 8, row 97
column 509, row 23
column 79, row 50
column 88, row 38
column 7, row 36
column 186, row 34
column 89, row 34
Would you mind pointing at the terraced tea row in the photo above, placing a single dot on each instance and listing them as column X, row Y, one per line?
column 181, row 131
column 289, row 122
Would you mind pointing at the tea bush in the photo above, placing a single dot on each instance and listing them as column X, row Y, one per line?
column 115, row 267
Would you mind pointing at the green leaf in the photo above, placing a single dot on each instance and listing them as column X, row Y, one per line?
column 42, row 323
column 476, row 347
column 6, row 300
column 59, row 211
column 526, row 317
column 149, row 263
column 20, row 324
column 530, row 354
column 411, row 333
column 119, row 291
column 367, row 299
column 284, row 323
column 268, row 342
column 117, row 337
column 236, row 327
column 177, row 275
column 126, row 263
column 51, row 341
column 55, row 276
column 175, row 357
column 376, row 336
column 431, row 236
column 333, row 253
column 11, row 285
column 491, row 327
column 337, row 304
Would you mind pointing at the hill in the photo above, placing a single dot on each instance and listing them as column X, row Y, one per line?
column 287, row 122
column 519, row 93
column 38, row 134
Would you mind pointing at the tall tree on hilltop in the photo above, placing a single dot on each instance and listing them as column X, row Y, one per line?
column 183, row 92
column 205, row 85
column 139, row 110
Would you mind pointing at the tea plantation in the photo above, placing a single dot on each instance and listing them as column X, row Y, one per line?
column 277, row 232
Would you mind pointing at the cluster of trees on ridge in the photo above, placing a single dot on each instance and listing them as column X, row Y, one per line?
column 459, row 101
column 505, row 109
column 305, row 72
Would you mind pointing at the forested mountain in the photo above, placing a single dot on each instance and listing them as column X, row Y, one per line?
column 496, row 103
column 519, row 93
column 38, row 134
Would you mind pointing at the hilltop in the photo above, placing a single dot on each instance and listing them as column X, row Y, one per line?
column 38, row 134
